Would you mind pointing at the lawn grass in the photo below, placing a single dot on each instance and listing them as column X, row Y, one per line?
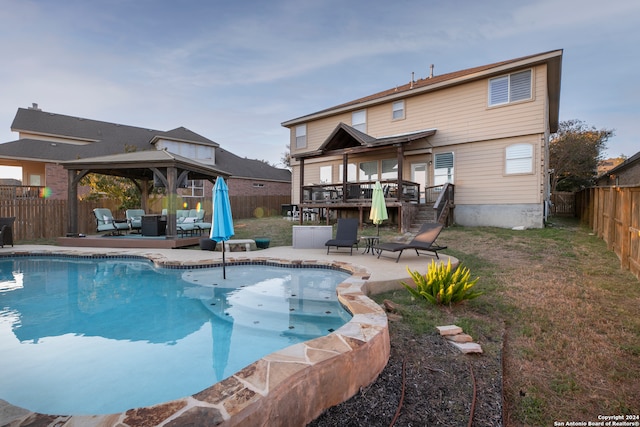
column 566, row 312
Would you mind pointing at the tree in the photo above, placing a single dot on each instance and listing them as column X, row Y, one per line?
column 119, row 188
column 286, row 158
column 574, row 152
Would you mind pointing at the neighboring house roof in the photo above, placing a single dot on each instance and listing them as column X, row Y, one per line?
column 240, row 167
column 58, row 138
column 553, row 59
column 630, row 162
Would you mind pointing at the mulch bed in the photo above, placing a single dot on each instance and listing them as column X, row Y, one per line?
column 427, row 382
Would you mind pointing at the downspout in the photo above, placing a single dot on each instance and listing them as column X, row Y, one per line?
column 345, row 174
column 301, row 189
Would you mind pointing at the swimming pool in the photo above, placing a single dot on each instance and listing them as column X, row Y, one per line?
column 67, row 321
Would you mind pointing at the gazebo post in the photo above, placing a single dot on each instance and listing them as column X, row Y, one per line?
column 172, row 203
column 72, row 200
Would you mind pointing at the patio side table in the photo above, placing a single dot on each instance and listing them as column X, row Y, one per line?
column 370, row 242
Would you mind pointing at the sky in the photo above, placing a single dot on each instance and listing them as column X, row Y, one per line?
column 233, row 71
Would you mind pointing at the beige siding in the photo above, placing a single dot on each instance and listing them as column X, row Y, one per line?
column 461, row 114
column 480, row 178
column 476, row 133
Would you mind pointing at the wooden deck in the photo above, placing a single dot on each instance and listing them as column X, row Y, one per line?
column 131, row 241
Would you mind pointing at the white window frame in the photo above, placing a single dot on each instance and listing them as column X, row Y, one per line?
column 195, row 188
column 518, row 159
column 301, row 136
column 443, row 168
column 359, row 120
column 326, row 174
column 510, row 88
column 397, row 110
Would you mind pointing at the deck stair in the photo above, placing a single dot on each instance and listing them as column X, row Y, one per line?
column 425, row 213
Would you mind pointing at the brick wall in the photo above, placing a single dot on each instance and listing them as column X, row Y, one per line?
column 56, row 180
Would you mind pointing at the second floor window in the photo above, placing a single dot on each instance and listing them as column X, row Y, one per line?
column 510, row 88
column 359, row 120
column 301, row 136
column 397, row 110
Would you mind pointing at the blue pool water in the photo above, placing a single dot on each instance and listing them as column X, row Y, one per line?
column 97, row 336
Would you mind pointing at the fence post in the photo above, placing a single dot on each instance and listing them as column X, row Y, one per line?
column 625, row 226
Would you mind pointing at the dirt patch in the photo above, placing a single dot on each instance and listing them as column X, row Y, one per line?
column 427, row 382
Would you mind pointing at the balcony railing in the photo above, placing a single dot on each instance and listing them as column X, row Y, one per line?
column 20, row 191
column 353, row 192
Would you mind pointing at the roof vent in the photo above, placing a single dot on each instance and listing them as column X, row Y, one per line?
column 412, row 80
column 431, row 71
column 34, row 106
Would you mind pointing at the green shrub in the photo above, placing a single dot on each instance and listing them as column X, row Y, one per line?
column 443, row 286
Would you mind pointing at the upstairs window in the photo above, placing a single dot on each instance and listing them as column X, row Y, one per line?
column 397, row 110
column 301, row 136
column 510, row 88
column 359, row 120
column 519, row 159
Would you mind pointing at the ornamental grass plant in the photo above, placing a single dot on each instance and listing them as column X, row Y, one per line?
column 443, row 284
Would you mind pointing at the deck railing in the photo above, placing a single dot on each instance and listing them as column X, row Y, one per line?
column 444, row 204
column 354, row 192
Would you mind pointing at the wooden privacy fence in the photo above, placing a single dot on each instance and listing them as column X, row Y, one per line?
column 613, row 213
column 41, row 218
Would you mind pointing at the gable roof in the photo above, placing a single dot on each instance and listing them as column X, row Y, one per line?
column 553, row 59
column 345, row 138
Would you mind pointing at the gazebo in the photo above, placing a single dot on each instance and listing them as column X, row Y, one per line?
column 143, row 168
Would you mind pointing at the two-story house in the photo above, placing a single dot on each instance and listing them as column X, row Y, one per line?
column 483, row 131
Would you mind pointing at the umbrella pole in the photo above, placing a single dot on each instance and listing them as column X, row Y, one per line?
column 224, row 270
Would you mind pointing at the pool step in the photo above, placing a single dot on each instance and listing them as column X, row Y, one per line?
column 318, row 317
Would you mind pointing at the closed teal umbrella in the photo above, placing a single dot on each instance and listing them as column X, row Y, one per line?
column 378, row 211
column 221, row 221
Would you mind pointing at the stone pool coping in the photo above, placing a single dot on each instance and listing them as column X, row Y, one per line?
column 290, row 387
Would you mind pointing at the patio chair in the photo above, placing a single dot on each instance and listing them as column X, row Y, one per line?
column 106, row 223
column 134, row 218
column 424, row 241
column 346, row 235
column 6, row 232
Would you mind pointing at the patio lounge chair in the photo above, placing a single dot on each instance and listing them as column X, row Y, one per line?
column 6, row 232
column 346, row 235
column 424, row 241
column 134, row 218
column 106, row 223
